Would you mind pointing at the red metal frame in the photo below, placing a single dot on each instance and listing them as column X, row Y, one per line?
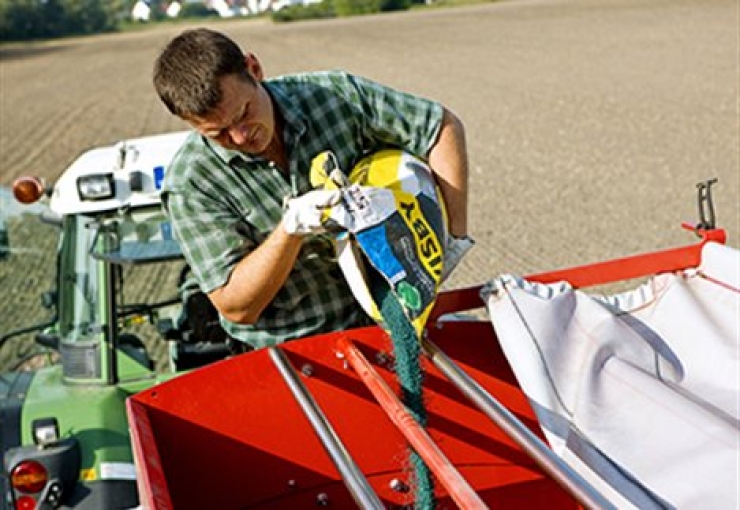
column 599, row 273
column 232, row 434
column 149, row 471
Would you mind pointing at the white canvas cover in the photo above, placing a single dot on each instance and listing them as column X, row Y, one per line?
column 639, row 392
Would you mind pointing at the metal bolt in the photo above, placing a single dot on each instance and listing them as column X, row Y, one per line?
column 341, row 357
column 307, row 370
column 381, row 358
column 322, row 499
column 398, row 486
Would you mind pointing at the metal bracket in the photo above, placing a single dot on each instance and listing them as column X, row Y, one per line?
column 706, row 206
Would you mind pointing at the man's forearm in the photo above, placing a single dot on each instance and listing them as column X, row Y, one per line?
column 449, row 161
column 257, row 278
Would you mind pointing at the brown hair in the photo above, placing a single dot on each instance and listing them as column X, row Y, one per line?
column 187, row 73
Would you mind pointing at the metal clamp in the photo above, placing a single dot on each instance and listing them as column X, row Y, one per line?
column 706, row 206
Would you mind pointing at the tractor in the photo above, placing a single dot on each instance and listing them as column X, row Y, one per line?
column 124, row 317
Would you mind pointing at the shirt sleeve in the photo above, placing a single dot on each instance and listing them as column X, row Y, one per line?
column 395, row 118
column 208, row 232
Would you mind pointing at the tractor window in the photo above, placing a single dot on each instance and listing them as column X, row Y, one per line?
column 138, row 237
column 28, row 247
column 146, row 265
column 79, row 285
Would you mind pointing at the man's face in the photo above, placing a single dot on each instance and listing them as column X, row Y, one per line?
column 244, row 118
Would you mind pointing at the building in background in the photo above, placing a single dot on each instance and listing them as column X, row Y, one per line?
column 142, row 10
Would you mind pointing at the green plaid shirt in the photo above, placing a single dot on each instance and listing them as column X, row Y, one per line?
column 223, row 204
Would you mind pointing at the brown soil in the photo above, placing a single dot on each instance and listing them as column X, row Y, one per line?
column 589, row 124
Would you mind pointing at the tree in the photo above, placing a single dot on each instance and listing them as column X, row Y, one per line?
column 355, row 7
column 43, row 19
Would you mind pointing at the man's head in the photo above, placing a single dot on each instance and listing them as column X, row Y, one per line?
column 188, row 72
column 204, row 78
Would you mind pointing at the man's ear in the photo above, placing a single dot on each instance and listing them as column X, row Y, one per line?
column 254, row 67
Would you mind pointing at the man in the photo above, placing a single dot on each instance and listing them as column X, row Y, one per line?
column 269, row 269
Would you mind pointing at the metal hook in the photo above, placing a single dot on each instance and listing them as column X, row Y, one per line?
column 706, row 205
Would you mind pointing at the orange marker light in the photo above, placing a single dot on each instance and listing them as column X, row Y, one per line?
column 28, row 190
column 29, row 476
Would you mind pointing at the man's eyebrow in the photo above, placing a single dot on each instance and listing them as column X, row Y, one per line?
column 242, row 111
column 218, row 130
column 236, row 118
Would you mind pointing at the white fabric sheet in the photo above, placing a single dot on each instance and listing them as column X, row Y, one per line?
column 639, row 392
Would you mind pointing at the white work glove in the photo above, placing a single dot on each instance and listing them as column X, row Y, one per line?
column 455, row 249
column 310, row 213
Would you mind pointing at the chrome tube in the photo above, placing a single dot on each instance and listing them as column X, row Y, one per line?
column 553, row 465
column 354, row 479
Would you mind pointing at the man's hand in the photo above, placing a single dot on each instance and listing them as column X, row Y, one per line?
column 310, row 213
column 455, row 250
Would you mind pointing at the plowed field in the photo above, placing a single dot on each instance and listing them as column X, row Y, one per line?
column 589, row 122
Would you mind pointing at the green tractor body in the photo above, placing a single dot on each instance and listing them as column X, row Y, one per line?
column 120, row 325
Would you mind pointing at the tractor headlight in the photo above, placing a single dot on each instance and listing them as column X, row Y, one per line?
column 96, row 187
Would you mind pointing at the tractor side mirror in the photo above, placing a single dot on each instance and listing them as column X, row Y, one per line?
column 49, row 340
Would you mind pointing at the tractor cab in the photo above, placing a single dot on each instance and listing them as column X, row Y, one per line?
column 126, row 315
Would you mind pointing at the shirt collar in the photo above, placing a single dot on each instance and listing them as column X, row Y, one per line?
column 294, row 118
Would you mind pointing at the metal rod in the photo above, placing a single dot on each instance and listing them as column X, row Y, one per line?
column 354, row 479
column 445, row 471
column 553, row 465
column 111, row 272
